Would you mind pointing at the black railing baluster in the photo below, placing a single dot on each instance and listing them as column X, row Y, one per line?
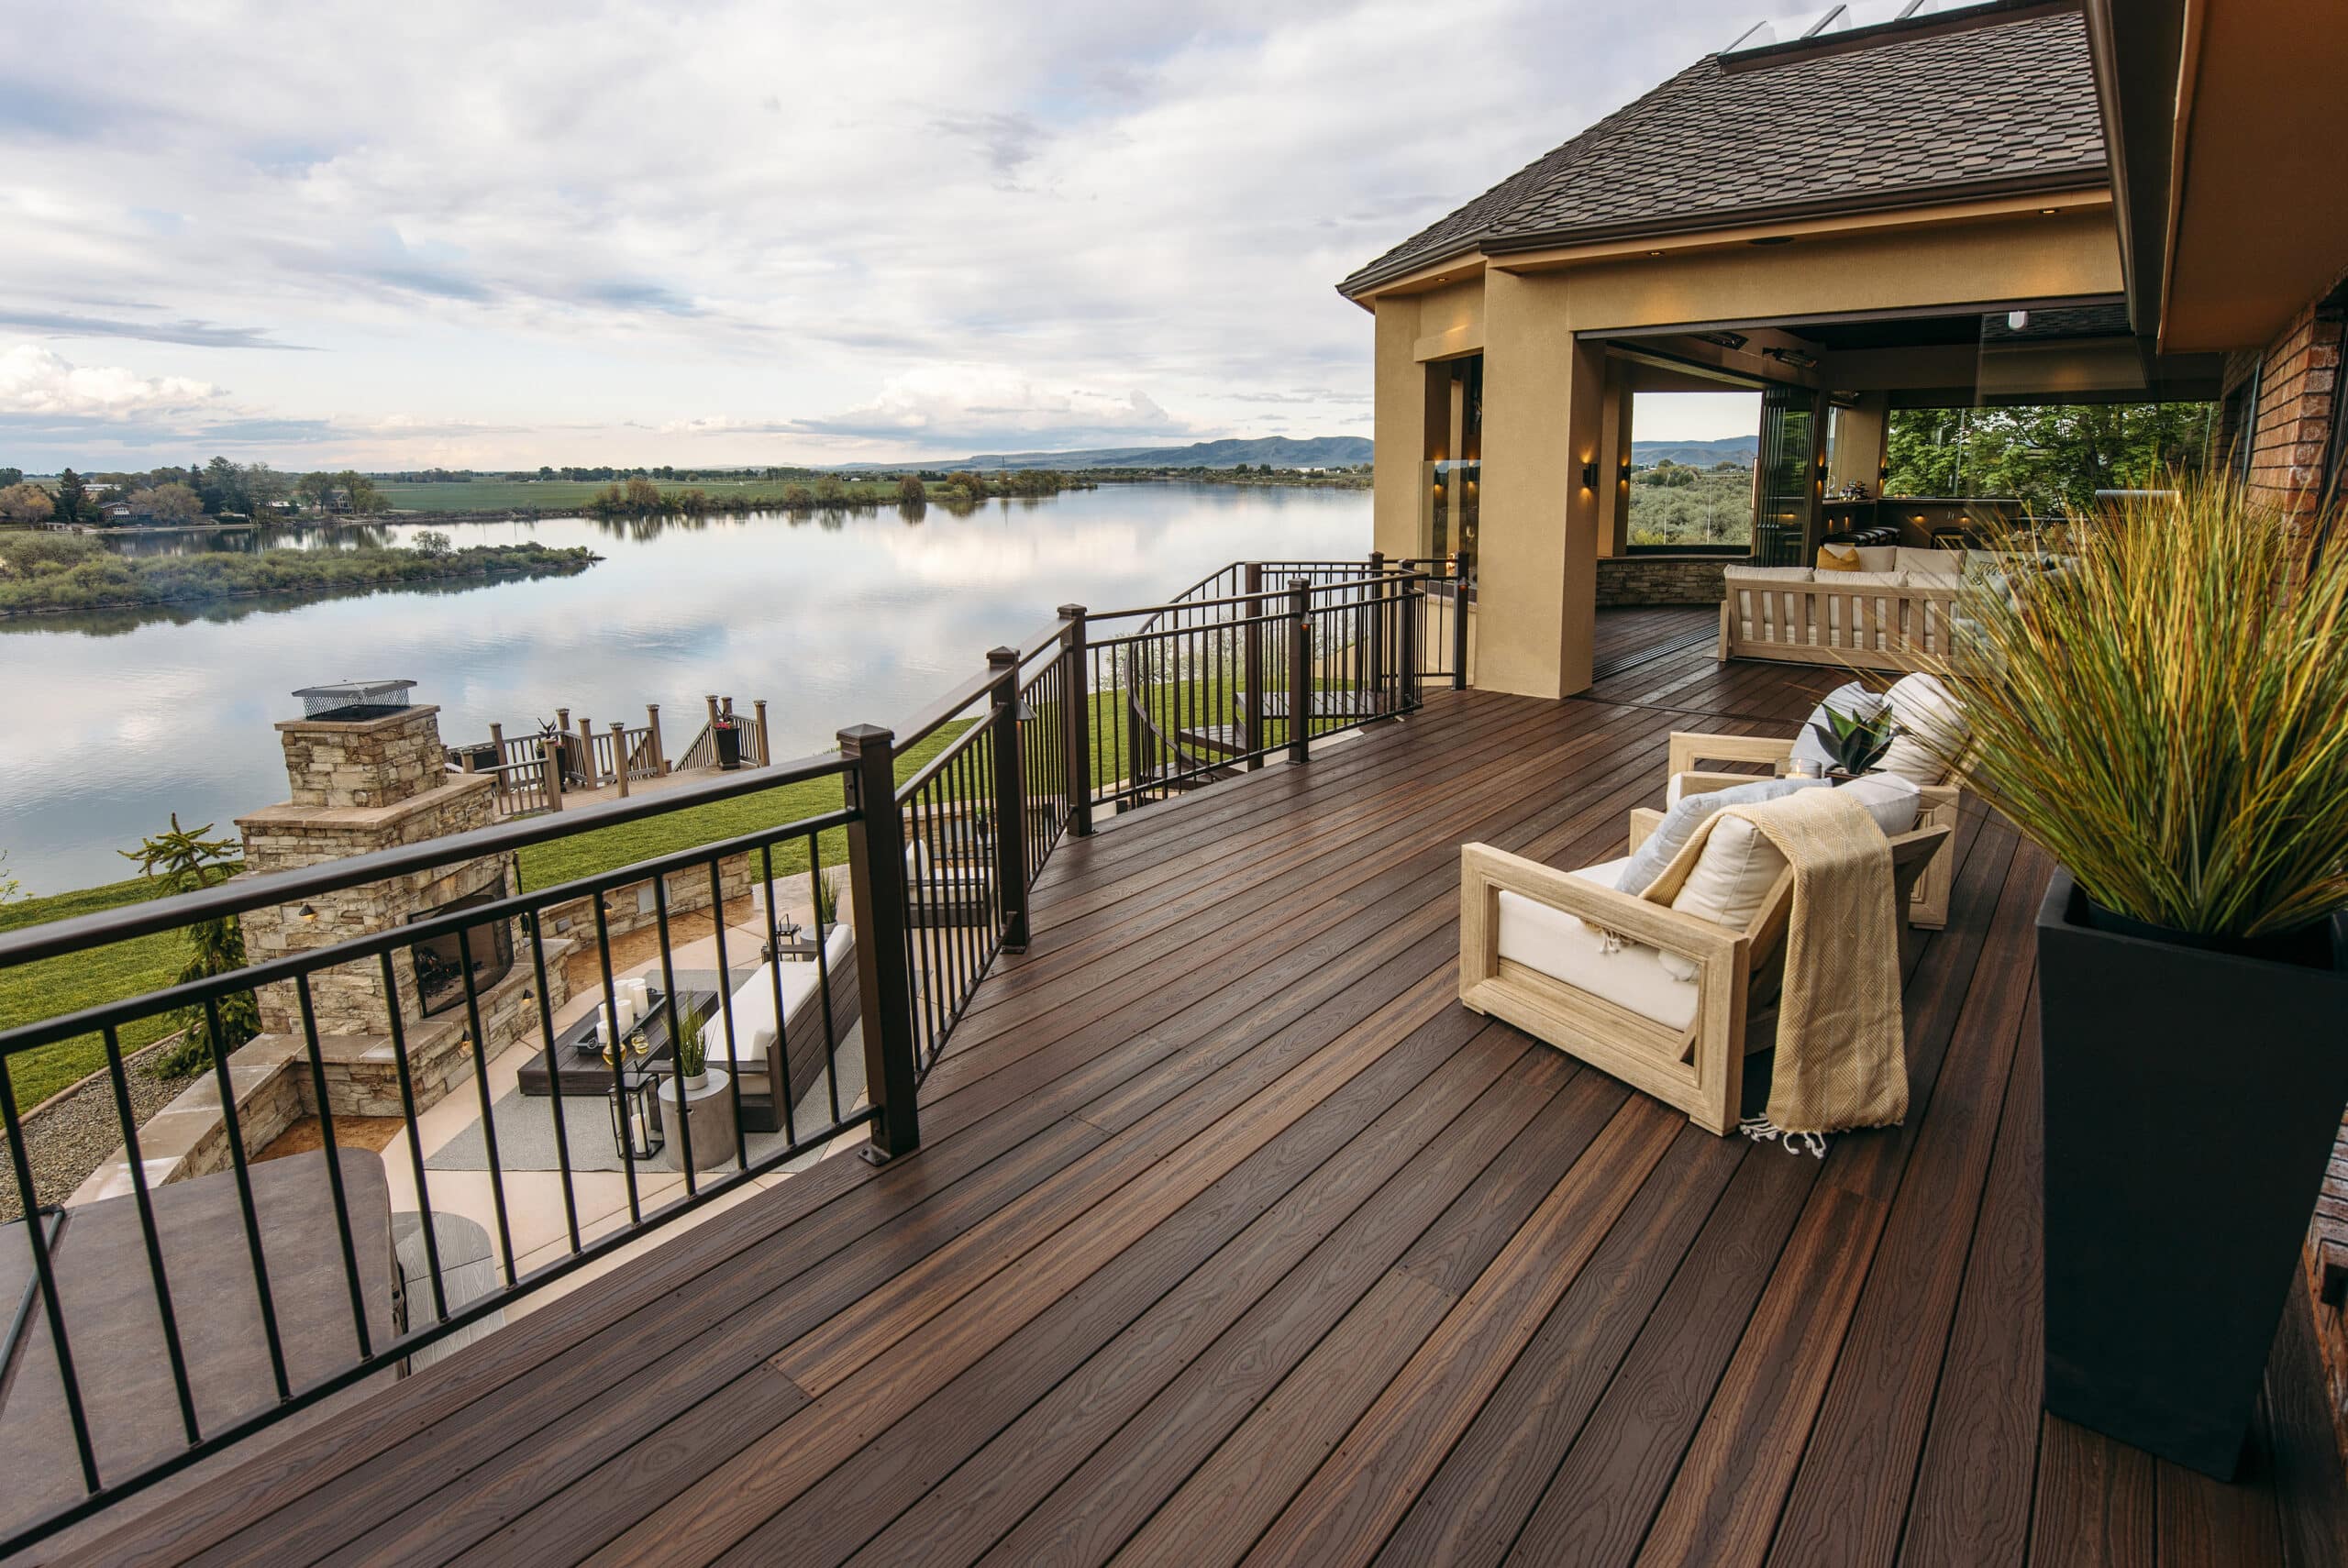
column 45, row 1273
column 334, row 1172
column 1253, row 677
column 414, row 1144
column 816, row 875
column 241, row 1163
column 676, row 1030
column 532, row 924
column 1462, row 567
column 616, row 1048
column 725, row 1011
column 774, row 981
column 488, row 1116
column 154, row 1241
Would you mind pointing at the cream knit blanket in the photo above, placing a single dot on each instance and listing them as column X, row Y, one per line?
column 1842, row 1059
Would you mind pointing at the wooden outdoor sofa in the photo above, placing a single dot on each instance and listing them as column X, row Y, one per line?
column 1898, row 612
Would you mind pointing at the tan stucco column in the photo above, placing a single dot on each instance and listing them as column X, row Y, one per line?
column 1398, row 502
column 1537, row 580
column 1614, row 456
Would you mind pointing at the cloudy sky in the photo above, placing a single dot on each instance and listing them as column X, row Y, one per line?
column 427, row 233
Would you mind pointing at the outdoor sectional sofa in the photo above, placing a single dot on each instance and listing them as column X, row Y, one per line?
column 1898, row 611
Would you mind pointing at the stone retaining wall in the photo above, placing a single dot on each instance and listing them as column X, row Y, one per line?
column 1663, row 580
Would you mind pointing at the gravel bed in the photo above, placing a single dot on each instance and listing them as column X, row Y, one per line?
column 72, row 1135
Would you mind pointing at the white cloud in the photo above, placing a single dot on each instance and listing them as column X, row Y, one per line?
column 34, row 380
column 746, row 229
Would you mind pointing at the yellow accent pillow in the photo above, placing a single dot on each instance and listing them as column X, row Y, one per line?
column 1838, row 558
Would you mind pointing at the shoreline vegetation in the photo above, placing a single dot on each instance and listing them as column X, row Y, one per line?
column 51, row 573
column 501, row 500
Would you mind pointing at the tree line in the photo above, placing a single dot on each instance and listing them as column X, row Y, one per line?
column 173, row 494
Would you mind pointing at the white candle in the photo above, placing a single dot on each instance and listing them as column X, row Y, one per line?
column 636, row 992
column 603, row 1019
column 627, row 1012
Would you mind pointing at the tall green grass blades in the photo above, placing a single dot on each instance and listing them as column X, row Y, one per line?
column 2166, row 711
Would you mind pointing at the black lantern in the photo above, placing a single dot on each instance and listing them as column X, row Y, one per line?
column 635, row 1115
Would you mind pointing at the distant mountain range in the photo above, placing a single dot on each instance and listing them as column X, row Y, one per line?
column 1697, row 453
column 1314, row 452
column 1281, row 452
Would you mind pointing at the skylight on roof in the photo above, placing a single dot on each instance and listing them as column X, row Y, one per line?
column 1833, row 21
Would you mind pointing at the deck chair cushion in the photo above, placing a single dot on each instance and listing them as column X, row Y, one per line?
column 1680, row 822
column 1935, row 729
column 1572, row 952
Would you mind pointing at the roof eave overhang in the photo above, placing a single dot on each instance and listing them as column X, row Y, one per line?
column 1978, row 198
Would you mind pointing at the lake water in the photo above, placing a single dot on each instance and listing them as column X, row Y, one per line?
column 112, row 721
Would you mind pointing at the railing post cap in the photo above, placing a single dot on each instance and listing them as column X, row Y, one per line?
column 855, row 738
column 1070, row 612
column 1002, row 655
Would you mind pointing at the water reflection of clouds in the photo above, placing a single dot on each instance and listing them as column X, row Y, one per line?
column 103, row 736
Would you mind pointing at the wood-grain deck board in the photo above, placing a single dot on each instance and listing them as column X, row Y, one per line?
column 1232, row 1237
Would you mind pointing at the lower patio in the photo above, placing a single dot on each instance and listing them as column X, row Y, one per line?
column 1233, row 1238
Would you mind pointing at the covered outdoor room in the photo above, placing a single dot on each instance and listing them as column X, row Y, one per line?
column 1942, row 239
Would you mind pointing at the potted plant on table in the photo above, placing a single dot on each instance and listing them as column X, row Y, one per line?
column 692, row 1060
column 2166, row 713
column 1854, row 741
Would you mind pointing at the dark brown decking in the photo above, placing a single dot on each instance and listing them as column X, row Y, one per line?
column 1233, row 1238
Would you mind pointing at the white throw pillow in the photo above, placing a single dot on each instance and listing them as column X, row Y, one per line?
column 1678, row 825
column 1732, row 877
column 1894, row 802
column 1935, row 725
column 1930, row 563
column 1878, row 558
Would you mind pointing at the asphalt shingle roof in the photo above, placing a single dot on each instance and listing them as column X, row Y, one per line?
column 2008, row 104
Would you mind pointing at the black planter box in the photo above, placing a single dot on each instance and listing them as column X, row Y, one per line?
column 2191, row 1101
column 729, row 747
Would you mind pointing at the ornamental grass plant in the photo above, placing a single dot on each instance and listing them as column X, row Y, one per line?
column 2164, row 707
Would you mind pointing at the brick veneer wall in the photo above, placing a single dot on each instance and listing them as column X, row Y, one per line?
column 2298, row 401
column 1663, row 580
column 2296, row 392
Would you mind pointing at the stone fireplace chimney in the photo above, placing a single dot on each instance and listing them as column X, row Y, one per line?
column 367, row 772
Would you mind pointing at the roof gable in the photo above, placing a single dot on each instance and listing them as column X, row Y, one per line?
column 2007, row 105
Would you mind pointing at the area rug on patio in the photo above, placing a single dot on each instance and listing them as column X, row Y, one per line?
column 525, row 1126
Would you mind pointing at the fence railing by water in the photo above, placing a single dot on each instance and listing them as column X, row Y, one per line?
column 938, row 832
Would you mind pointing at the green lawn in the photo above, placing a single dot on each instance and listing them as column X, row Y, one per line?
column 52, row 985
column 572, row 495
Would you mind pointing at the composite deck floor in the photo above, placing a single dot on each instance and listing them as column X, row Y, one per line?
column 1234, row 1239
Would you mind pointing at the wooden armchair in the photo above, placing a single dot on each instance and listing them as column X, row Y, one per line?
column 1927, row 903
column 1687, row 1052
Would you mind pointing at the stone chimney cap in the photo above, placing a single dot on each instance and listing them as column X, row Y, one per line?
column 351, row 700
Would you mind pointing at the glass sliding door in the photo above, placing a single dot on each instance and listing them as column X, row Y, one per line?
column 1784, row 489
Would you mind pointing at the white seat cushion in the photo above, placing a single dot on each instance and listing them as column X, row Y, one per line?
column 1917, row 563
column 755, row 1031
column 1571, row 951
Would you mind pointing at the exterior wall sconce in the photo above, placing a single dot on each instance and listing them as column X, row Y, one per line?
column 1589, row 474
column 308, row 915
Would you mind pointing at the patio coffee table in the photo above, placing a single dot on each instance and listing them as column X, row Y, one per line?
column 579, row 1065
